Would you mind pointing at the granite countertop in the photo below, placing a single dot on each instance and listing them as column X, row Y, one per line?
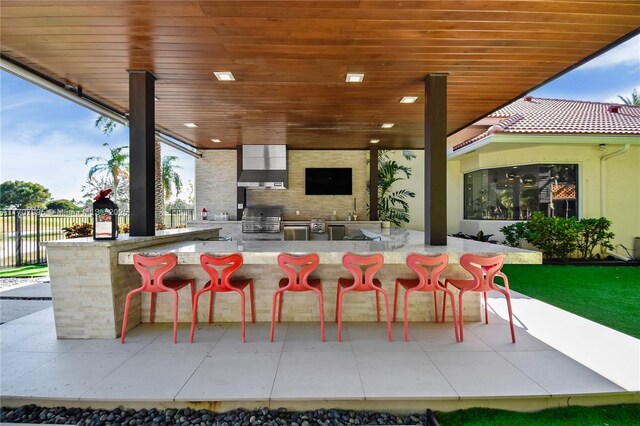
column 395, row 245
column 126, row 239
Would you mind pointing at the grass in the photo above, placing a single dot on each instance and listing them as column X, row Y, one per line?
column 607, row 295
column 25, row 271
column 611, row 415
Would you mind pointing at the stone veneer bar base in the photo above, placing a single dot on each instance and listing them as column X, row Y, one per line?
column 88, row 287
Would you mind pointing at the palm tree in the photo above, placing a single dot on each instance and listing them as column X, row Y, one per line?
column 633, row 100
column 392, row 205
column 117, row 166
column 105, row 124
column 170, row 178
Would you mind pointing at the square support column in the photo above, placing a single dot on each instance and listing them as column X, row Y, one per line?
column 142, row 153
column 373, row 184
column 435, row 160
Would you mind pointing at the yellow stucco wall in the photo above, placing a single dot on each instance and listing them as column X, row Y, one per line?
column 622, row 197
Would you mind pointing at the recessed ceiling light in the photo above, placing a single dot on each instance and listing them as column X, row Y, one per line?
column 408, row 99
column 216, row 140
column 387, row 125
column 374, row 141
column 224, row 75
column 191, row 125
column 355, row 78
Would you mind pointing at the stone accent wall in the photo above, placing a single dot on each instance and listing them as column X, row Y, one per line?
column 303, row 306
column 216, row 179
column 216, row 182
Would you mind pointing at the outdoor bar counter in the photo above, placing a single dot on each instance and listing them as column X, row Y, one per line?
column 95, row 311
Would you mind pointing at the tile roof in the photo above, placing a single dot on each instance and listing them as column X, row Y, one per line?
column 558, row 116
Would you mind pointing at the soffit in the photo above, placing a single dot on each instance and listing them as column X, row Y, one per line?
column 290, row 59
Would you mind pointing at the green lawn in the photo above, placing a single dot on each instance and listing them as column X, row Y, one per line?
column 25, row 271
column 605, row 294
column 611, row 415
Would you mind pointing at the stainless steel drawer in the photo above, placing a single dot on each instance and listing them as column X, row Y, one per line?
column 296, row 232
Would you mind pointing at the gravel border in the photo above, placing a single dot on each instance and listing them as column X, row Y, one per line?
column 190, row 417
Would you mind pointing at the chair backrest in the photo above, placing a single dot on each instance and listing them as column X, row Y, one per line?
column 363, row 269
column 298, row 269
column 220, row 268
column 483, row 269
column 153, row 270
column 428, row 269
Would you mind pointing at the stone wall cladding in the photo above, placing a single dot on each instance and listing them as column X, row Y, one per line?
column 303, row 306
column 216, row 178
column 216, row 182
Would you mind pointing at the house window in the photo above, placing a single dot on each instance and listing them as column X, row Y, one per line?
column 515, row 193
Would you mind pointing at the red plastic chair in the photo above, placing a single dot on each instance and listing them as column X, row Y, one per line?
column 484, row 270
column 297, row 269
column 221, row 282
column 363, row 269
column 153, row 281
column 428, row 269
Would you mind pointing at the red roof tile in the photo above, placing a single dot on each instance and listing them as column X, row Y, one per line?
column 557, row 116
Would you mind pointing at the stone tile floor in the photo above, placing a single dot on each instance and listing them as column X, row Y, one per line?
column 297, row 366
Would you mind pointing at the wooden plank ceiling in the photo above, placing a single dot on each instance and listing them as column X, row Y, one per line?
column 290, row 59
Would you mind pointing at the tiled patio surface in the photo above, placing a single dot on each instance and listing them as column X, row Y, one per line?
column 298, row 367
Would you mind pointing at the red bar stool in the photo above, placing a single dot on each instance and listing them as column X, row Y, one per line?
column 221, row 282
column 298, row 269
column 428, row 269
column 363, row 269
column 153, row 270
column 483, row 270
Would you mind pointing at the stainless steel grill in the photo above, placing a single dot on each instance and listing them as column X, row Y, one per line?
column 262, row 219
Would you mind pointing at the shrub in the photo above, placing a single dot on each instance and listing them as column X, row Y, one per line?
column 593, row 233
column 515, row 233
column 78, row 230
column 556, row 237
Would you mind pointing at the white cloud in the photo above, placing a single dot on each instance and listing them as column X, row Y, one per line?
column 626, row 93
column 627, row 54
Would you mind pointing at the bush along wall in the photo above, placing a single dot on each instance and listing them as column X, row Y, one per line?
column 560, row 238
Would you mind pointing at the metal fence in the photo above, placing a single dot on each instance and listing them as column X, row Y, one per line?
column 24, row 230
column 179, row 217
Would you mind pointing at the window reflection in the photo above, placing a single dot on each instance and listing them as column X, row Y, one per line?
column 515, row 193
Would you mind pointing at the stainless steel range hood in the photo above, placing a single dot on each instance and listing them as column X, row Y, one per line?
column 264, row 167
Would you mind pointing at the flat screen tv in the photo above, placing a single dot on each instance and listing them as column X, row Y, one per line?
column 325, row 181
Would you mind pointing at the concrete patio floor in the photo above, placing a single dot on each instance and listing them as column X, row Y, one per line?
column 297, row 371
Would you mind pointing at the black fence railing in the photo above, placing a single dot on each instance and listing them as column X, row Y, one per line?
column 24, row 229
column 180, row 217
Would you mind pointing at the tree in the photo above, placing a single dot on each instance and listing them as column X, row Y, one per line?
column 633, row 100
column 105, row 124
column 116, row 166
column 23, row 195
column 170, row 178
column 393, row 205
column 63, row 204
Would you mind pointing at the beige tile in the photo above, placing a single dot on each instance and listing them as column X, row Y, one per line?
column 232, row 376
column 372, row 337
column 205, row 338
column 441, row 338
column 326, row 375
column 257, row 339
column 305, row 337
column 67, row 376
column 401, row 375
column 498, row 337
column 158, row 377
column 559, row 374
column 37, row 339
column 483, row 374
column 16, row 364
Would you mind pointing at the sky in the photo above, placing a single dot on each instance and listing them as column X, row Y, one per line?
column 45, row 138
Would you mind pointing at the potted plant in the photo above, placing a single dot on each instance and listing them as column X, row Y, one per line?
column 393, row 207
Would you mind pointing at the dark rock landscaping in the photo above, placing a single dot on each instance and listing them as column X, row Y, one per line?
column 188, row 416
